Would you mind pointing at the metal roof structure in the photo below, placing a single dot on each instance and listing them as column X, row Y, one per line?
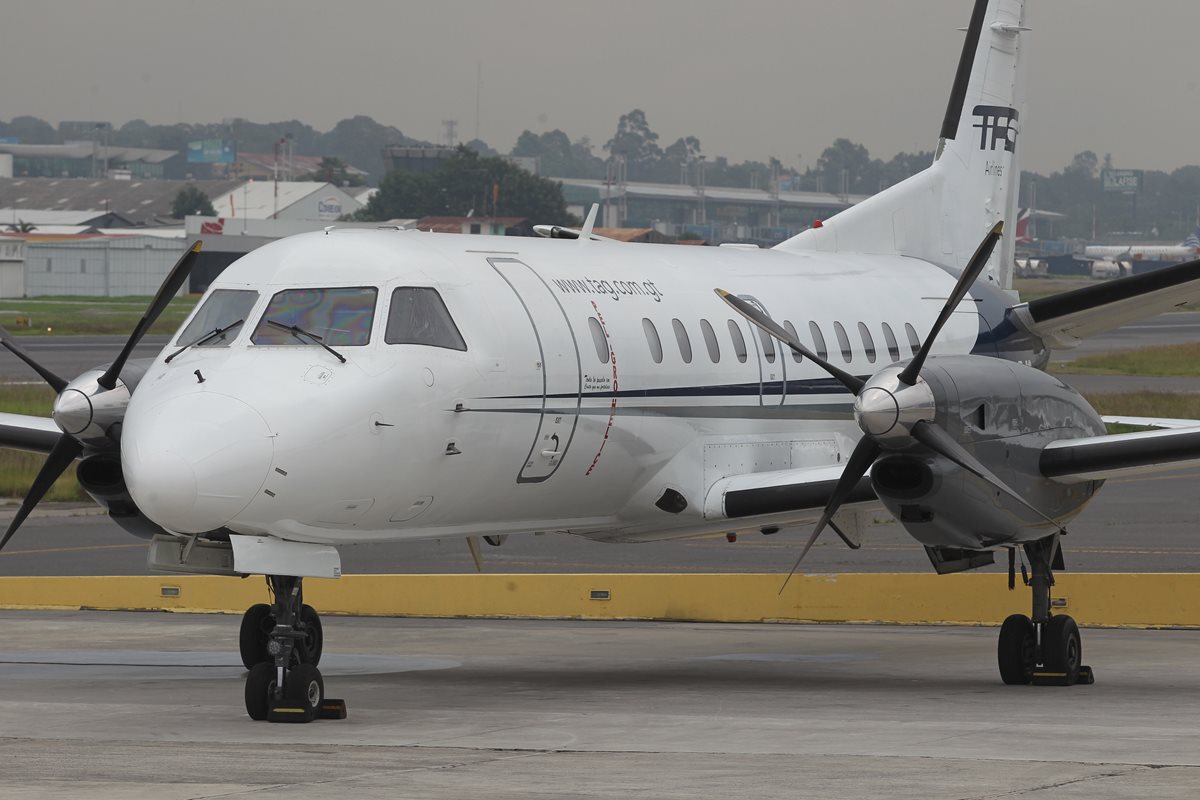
column 123, row 155
column 138, row 202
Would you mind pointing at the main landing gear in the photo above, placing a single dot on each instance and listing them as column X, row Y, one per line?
column 281, row 645
column 1045, row 650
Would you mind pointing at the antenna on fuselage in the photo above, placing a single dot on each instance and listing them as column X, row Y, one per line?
column 589, row 223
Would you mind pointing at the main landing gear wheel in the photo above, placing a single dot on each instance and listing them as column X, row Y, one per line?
column 281, row 644
column 1044, row 650
column 1062, row 652
column 1017, row 651
column 260, row 690
column 257, row 624
column 259, row 621
column 309, row 648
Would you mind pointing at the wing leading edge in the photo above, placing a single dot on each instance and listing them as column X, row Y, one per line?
column 1063, row 320
column 1121, row 454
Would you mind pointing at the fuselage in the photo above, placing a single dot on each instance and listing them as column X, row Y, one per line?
column 587, row 380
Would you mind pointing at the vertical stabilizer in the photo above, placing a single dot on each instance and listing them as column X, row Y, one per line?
column 942, row 213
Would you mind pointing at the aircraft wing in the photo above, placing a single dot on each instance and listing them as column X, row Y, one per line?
column 1152, row 422
column 1063, row 320
column 33, row 434
column 1122, row 454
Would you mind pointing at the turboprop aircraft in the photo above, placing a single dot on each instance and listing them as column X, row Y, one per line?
column 385, row 385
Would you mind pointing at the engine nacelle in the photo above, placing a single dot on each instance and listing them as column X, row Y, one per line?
column 101, row 477
column 1005, row 413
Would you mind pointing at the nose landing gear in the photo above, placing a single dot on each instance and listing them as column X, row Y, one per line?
column 1043, row 650
column 281, row 645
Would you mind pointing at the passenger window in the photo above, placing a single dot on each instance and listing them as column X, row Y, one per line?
column 418, row 316
column 892, row 345
column 792, row 330
column 223, row 308
column 653, row 340
column 843, row 342
column 710, row 341
column 598, row 339
column 739, row 342
column 914, row 342
column 768, row 345
column 818, row 340
column 339, row 317
column 685, row 344
column 868, row 342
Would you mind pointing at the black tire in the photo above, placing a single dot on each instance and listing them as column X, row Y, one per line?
column 1016, row 651
column 309, row 648
column 260, row 690
column 257, row 624
column 304, row 686
column 1062, row 649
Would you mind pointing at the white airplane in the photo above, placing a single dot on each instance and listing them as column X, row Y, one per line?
column 1189, row 248
column 362, row 386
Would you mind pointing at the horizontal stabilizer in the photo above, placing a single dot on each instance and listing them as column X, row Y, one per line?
column 1119, row 455
column 1063, row 320
column 22, row 432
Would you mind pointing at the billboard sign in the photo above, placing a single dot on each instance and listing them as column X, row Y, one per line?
column 212, row 151
column 1121, row 180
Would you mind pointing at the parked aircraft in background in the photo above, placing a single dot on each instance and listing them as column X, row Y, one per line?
column 358, row 386
column 1187, row 250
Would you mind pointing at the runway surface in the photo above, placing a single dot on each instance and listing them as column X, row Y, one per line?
column 1148, row 524
column 126, row 705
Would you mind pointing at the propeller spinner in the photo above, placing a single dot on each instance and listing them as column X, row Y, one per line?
column 88, row 406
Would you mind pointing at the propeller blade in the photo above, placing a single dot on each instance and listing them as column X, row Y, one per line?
column 65, row 451
column 751, row 312
column 864, row 455
column 939, row 441
column 56, row 383
column 166, row 292
column 965, row 281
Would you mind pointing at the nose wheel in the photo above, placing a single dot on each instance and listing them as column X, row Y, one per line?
column 280, row 645
column 1044, row 650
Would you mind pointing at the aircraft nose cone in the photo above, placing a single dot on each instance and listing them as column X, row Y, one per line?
column 192, row 463
column 876, row 411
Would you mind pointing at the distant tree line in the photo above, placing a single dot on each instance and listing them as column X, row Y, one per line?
column 1166, row 208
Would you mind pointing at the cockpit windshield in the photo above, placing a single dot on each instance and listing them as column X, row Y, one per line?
column 340, row 317
column 222, row 308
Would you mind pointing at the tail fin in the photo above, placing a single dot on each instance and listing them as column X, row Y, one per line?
column 942, row 213
column 1193, row 240
column 1021, row 234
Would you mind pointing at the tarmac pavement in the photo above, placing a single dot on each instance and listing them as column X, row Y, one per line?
column 135, row 705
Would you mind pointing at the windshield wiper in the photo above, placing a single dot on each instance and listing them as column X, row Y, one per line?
column 297, row 331
column 216, row 333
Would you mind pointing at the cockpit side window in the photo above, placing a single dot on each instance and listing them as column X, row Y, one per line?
column 340, row 317
column 418, row 316
column 221, row 309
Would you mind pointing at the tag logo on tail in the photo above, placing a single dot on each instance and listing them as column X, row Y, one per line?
column 997, row 126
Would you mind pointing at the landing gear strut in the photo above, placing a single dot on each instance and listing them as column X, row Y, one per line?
column 1044, row 649
column 281, row 645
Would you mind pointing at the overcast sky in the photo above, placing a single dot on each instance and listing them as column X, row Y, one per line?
column 750, row 79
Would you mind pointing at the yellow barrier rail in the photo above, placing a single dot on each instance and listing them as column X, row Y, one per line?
column 1113, row 600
